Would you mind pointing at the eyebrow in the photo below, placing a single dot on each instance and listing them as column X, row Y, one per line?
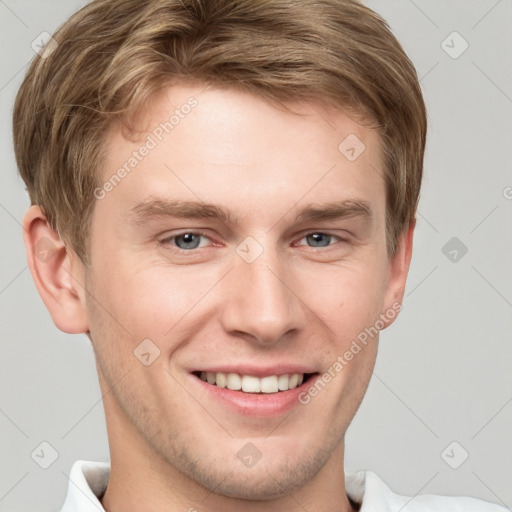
column 155, row 208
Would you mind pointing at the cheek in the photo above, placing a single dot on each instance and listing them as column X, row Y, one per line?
column 162, row 298
column 157, row 303
column 349, row 298
column 141, row 299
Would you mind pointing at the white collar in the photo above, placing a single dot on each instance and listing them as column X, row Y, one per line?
column 88, row 481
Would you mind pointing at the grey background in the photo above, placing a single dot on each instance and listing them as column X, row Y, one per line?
column 443, row 370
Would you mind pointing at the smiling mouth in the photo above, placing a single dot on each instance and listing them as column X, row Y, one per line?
column 251, row 384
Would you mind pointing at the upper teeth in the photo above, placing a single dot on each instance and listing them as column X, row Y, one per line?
column 251, row 384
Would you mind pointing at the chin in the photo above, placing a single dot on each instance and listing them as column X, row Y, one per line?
column 271, row 477
column 255, row 484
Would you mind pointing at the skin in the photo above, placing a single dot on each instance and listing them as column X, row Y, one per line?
column 172, row 445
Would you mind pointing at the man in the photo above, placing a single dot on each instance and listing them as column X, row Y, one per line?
column 228, row 192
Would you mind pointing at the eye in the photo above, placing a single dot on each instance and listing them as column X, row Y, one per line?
column 319, row 239
column 185, row 241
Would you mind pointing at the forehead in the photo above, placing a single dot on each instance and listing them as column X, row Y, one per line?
column 204, row 143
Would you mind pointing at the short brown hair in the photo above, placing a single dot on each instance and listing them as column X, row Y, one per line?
column 113, row 55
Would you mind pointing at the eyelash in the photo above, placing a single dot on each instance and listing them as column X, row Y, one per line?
column 166, row 241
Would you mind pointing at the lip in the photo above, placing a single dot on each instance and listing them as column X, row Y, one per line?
column 254, row 404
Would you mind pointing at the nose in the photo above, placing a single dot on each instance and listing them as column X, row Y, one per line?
column 261, row 306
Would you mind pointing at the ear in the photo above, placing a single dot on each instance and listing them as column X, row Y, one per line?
column 398, row 269
column 57, row 273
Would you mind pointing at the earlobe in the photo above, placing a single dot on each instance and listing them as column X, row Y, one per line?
column 53, row 267
column 398, row 269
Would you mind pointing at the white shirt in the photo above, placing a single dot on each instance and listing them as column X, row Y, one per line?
column 88, row 481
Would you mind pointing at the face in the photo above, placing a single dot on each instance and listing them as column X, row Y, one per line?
column 243, row 246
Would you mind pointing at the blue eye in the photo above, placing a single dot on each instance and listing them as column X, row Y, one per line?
column 185, row 241
column 190, row 240
column 319, row 239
